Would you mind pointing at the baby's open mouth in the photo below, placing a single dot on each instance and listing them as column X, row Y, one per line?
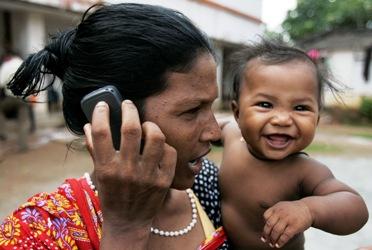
column 278, row 141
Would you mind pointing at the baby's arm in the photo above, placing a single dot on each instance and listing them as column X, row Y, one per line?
column 329, row 205
column 230, row 129
column 335, row 207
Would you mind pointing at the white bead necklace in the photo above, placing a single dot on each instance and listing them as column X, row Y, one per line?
column 156, row 230
column 90, row 183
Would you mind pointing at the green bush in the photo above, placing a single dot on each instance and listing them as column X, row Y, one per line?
column 342, row 115
column 366, row 108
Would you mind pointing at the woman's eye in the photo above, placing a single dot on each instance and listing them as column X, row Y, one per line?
column 192, row 111
column 301, row 108
column 265, row 105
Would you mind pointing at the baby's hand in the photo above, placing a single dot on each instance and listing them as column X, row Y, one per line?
column 284, row 220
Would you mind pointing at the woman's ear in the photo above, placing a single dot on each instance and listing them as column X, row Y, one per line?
column 235, row 110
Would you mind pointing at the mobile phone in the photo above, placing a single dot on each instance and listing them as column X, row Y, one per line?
column 112, row 97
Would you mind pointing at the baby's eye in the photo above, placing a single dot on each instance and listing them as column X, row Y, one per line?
column 265, row 105
column 301, row 108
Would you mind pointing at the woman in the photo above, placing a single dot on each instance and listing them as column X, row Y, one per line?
column 164, row 68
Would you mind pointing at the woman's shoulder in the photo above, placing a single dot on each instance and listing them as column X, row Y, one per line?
column 51, row 218
column 206, row 188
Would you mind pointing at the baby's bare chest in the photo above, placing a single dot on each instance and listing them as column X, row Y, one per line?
column 259, row 190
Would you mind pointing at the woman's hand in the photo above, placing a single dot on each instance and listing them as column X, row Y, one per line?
column 131, row 186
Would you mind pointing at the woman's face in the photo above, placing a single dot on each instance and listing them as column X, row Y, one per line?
column 183, row 111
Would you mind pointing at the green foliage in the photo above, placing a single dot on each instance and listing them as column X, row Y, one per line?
column 365, row 135
column 317, row 16
column 343, row 115
column 366, row 108
column 324, row 148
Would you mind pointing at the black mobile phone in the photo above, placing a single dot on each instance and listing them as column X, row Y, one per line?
column 112, row 97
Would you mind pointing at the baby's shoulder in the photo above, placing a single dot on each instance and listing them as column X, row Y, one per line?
column 236, row 154
column 302, row 159
column 303, row 166
column 230, row 132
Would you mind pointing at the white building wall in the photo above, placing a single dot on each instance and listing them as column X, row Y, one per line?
column 75, row 5
column 219, row 54
column 28, row 29
column 341, row 64
column 2, row 31
column 251, row 7
column 29, row 33
column 216, row 23
column 362, row 87
column 347, row 67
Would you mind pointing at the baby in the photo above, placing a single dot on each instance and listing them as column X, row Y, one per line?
column 271, row 190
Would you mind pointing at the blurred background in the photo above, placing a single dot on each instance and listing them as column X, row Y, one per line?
column 37, row 152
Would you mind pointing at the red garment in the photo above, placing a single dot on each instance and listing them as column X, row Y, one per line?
column 69, row 218
column 218, row 238
column 55, row 221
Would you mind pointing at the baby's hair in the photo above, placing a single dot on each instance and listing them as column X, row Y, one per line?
column 274, row 52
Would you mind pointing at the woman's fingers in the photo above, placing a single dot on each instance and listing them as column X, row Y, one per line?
column 131, row 132
column 157, row 151
column 88, row 139
column 154, row 141
column 168, row 163
column 103, row 149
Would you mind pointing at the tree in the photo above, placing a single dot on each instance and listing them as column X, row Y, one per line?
column 312, row 17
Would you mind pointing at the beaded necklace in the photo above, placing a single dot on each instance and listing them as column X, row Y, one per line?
column 157, row 231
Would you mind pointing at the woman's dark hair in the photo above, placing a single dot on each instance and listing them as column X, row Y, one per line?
column 274, row 52
column 131, row 46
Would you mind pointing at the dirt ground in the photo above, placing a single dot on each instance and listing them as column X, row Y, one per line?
column 38, row 170
column 49, row 162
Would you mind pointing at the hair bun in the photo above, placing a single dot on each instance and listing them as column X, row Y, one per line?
column 58, row 50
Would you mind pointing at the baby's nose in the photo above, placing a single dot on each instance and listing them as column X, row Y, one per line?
column 282, row 119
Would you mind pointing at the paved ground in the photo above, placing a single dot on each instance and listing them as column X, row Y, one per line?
column 49, row 162
column 357, row 172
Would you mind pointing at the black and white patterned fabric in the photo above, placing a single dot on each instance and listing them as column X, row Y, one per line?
column 207, row 190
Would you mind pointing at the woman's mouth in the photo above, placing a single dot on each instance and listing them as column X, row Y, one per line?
column 196, row 165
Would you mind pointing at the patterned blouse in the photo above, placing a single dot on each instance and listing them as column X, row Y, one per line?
column 71, row 218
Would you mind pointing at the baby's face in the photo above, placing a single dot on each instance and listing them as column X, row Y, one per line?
column 278, row 108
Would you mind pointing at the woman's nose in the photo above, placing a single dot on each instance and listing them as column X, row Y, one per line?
column 281, row 118
column 212, row 131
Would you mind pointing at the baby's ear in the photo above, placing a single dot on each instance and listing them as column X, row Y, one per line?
column 235, row 110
